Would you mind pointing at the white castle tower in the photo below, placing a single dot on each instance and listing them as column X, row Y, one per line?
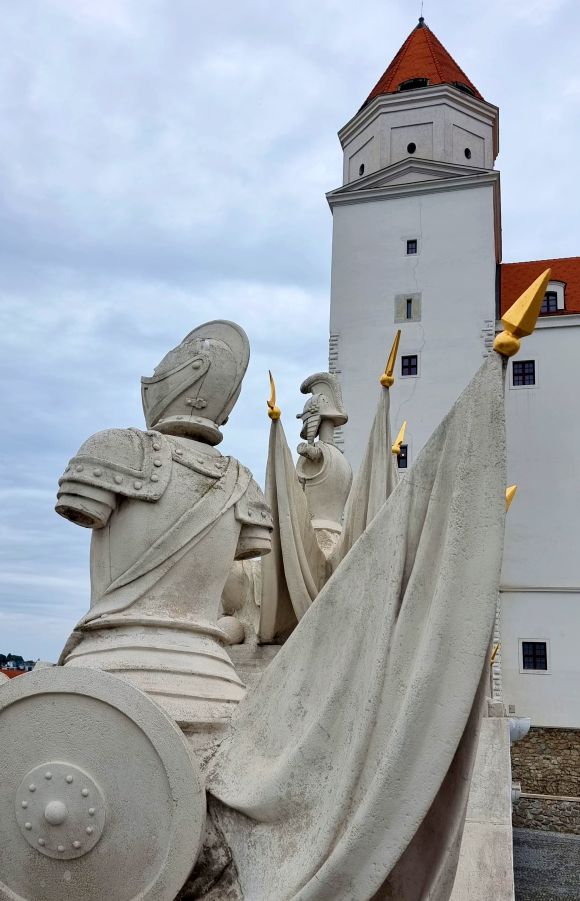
column 416, row 238
column 417, row 246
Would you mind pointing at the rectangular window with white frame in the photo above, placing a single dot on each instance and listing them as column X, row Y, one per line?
column 410, row 365
column 534, row 655
column 524, row 374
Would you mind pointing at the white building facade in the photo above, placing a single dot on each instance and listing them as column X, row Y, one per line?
column 417, row 246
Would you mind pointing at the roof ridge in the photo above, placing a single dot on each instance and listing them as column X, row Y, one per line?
column 543, row 260
column 428, row 35
column 396, row 63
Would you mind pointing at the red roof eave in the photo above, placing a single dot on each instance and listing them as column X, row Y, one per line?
column 516, row 277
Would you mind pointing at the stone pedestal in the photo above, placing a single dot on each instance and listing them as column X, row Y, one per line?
column 486, row 858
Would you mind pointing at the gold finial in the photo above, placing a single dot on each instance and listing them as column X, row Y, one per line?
column 510, row 493
column 520, row 319
column 494, row 653
column 396, row 448
column 273, row 411
column 387, row 379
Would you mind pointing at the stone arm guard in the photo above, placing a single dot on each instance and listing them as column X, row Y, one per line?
column 254, row 514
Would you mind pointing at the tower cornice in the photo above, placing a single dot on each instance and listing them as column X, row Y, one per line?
column 420, row 98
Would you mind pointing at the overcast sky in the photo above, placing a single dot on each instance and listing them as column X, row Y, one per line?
column 164, row 162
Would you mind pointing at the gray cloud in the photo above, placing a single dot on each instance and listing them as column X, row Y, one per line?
column 165, row 163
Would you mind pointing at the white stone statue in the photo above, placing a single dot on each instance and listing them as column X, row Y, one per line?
column 313, row 528
column 323, row 471
column 169, row 515
column 344, row 774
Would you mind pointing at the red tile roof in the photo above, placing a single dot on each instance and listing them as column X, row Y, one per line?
column 421, row 56
column 516, row 277
column 12, row 672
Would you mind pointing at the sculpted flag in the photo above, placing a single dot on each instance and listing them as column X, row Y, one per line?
column 294, row 572
column 376, row 479
column 346, row 771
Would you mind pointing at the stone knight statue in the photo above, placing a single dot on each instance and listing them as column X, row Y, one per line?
column 323, row 471
column 169, row 515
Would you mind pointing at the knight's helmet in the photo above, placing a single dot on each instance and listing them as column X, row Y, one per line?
column 325, row 403
column 194, row 388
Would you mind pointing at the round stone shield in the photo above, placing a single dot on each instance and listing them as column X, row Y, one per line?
column 99, row 793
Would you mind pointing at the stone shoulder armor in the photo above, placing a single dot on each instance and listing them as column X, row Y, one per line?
column 123, row 461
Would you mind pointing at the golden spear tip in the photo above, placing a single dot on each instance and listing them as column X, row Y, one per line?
column 510, row 493
column 396, row 448
column 387, row 379
column 274, row 412
column 520, row 319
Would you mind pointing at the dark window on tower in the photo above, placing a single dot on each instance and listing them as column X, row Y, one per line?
column 402, row 459
column 412, row 246
column 361, row 169
column 409, row 311
column 524, row 372
column 412, row 83
column 463, row 87
column 549, row 303
column 535, row 655
column 409, row 365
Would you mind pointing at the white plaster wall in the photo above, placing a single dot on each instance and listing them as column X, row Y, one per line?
column 550, row 698
column 542, row 549
column 543, row 429
column 455, row 273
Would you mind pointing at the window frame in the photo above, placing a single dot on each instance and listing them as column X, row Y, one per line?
column 512, row 374
column 404, row 456
column 534, row 672
column 401, row 307
column 411, row 253
column 554, row 298
column 411, row 375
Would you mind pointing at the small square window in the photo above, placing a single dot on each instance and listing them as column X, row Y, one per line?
column 534, row 655
column 412, row 246
column 410, row 365
column 402, row 458
column 550, row 302
column 523, row 372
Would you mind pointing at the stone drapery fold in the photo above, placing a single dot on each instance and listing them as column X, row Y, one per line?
column 375, row 480
column 345, row 773
column 293, row 573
